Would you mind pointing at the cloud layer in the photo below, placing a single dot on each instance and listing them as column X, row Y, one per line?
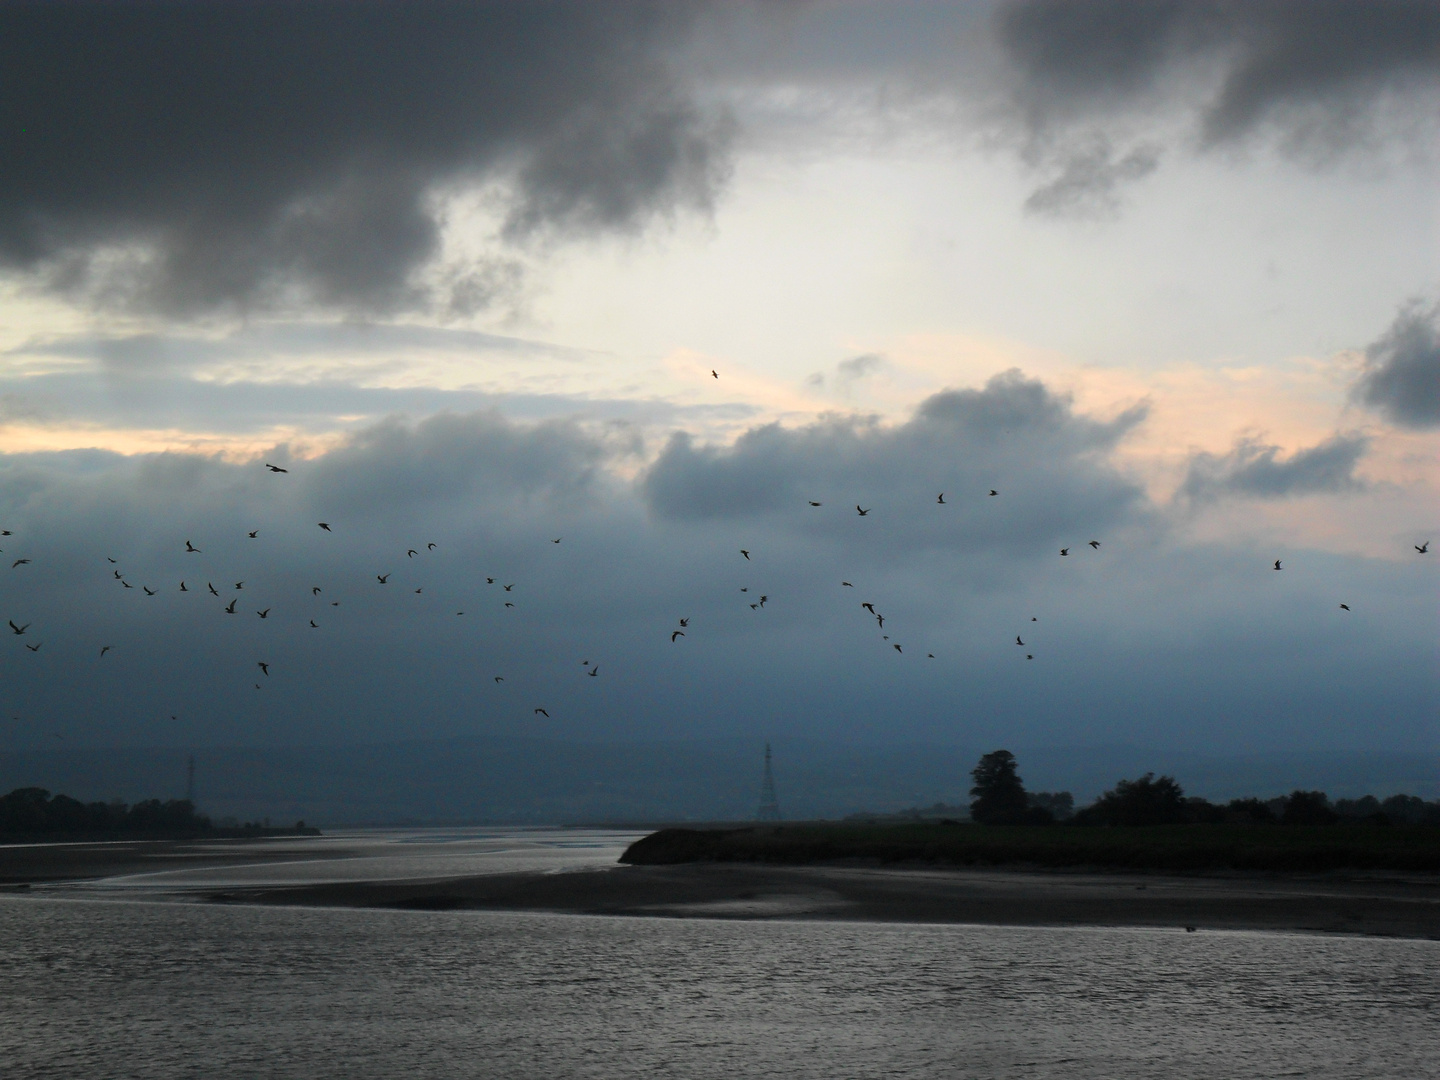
column 1402, row 375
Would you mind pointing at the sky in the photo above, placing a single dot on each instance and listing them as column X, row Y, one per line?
column 596, row 299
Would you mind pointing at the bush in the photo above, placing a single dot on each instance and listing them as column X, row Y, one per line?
column 1146, row 801
column 1308, row 808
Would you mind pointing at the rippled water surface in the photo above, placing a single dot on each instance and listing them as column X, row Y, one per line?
column 96, row 988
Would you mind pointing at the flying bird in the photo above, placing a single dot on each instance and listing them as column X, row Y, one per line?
column 117, row 575
column 148, row 591
column 507, row 588
column 745, row 553
column 813, row 502
column 213, row 591
column 1018, row 641
column 714, row 374
column 680, row 633
column 557, row 540
column 862, row 513
column 126, row 584
column 6, row 532
column 35, row 647
column 107, row 556
column 931, row 655
column 315, row 590
column 489, row 581
column 230, row 608
column 940, row 498
column 384, row 579
column 314, row 625
column 430, row 547
column 1277, row 564
column 763, row 599
column 1033, row 619
column 18, row 562
column 1344, row 607
column 239, row 584
column 847, row 584
column 1028, row 656
column 191, row 547
column 869, row 607
column 881, row 620
column 263, row 666
column 593, row 672
column 1095, row 544
column 421, row 589
column 684, row 622
column 1423, row 549
column 183, row 588
column 275, row 468
column 1064, row 551
column 994, row 492
column 754, row 607
column 105, row 648
column 411, row 553
column 264, row 614
column 499, row 678
column 254, row 534
column 896, row 647
column 542, row 712
column 323, row 525
column 509, row 604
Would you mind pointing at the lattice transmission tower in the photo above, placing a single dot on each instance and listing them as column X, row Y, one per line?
column 769, row 806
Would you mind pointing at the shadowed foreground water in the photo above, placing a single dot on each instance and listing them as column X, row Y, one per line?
column 118, row 989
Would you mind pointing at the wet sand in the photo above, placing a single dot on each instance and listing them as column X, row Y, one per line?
column 1389, row 905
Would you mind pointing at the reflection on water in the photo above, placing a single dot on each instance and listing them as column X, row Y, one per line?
column 374, row 855
column 92, row 989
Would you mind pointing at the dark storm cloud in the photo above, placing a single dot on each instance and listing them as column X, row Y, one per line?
column 1402, row 374
column 188, row 155
column 1256, row 470
column 1014, row 435
column 1273, row 55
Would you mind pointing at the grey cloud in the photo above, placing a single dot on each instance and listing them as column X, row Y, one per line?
column 1256, row 470
column 185, row 156
column 857, row 367
column 1272, row 61
column 1013, row 435
column 1402, row 375
column 1089, row 180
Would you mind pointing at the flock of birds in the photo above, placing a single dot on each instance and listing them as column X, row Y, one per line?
column 592, row 670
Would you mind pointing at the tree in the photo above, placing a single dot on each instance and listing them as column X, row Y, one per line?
column 999, row 795
column 1146, row 801
column 1308, row 808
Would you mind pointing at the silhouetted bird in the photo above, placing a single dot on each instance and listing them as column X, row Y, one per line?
column 509, row 604
column 421, row 589
column 239, row 584
column 126, row 584
column 896, row 647
column 323, row 525
column 411, row 553
column 940, row 498
column 313, row 625
column 264, row 667
column 1064, row 551
column 1095, row 544
column 868, row 607
column 543, row 713
column 1345, row 607
column 714, row 374
column 315, row 590
column 191, row 547
column 557, row 540
column 862, row 513
column 35, row 647
column 108, row 557
column 675, row 634
column 1029, row 657
column 763, row 599
column 1424, row 548
column 254, row 534
column 930, row 655
column 881, row 620
column 593, row 672
column 105, row 648
column 745, row 553
column 429, row 547
column 148, row 591
column 507, row 588
column 275, row 468
column 754, row 607
column 489, row 581
column 1277, row 564
column 212, row 589
column 183, row 588
column 683, row 622
column 499, row 678
column 384, row 579
column 264, row 614
column 1033, row 619
column 230, row 608
column 18, row 562
column 847, row 584
column 1018, row 641
column 994, row 492
column 813, row 502
column 117, row 575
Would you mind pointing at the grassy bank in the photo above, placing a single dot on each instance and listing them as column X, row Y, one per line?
column 1165, row 847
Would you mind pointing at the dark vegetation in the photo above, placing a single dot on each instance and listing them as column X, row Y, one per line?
column 33, row 814
column 1147, row 824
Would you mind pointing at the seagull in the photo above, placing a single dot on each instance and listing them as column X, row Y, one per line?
column 126, row 583
column 1018, row 641
column 191, row 547
column 593, row 672
column 148, row 591
column 421, row 589
column 862, row 513
column 542, row 712
column 557, row 540
column 499, row 678
column 313, row 625
column 117, row 575
column 847, row 584
column 509, row 604
column 994, row 492
column 931, row 655
column 275, row 468
column 896, row 647
column 763, row 599
column 507, row 588
column 183, row 588
column 107, row 556
column 746, row 554
column 881, row 620
column 1095, row 544
column 679, row 633
column 230, row 608
column 684, row 622
column 489, row 581
column 940, row 499
column 315, row 590
column 1277, row 564
column 105, row 648
column 384, row 579
column 6, row 532
column 1064, row 551
column 264, row 614
column 35, row 647
column 714, row 374
column 411, row 553
column 754, row 607
column 869, row 607
column 254, row 534
column 18, row 562
column 430, row 547
column 1345, row 607
column 263, row 666
column 1423, row 549
column 323, row 525
column 1028, row 656
column 1034, row 619
column 213, row 592
column 813, row 502
column 744, row 588
column 239, row 584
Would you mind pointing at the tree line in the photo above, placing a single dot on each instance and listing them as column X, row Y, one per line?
column 999, row 798
column 33, row 813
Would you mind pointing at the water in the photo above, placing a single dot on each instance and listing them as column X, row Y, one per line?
column 96, row 984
